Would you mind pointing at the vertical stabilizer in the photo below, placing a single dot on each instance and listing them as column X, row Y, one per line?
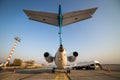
column 60, row 24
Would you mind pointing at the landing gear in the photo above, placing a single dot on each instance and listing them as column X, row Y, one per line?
column 68, row 71
column 53, row 70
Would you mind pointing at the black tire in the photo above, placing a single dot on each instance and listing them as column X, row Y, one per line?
column 68, row 71
column 0, row 68
column 53, row 70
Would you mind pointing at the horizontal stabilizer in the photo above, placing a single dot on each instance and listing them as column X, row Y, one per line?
column 75, row 16
column 45, row 17
column 53, row 18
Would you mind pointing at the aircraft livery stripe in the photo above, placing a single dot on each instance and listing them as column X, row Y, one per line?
column 60, row 24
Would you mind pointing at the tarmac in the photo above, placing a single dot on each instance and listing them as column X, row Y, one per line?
column 46, row 74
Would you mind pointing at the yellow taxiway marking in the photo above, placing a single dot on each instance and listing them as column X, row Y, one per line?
column 61, row 76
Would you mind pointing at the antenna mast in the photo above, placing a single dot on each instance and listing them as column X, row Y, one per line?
column 17, row 39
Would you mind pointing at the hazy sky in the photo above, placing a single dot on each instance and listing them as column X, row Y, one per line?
column 97, row 38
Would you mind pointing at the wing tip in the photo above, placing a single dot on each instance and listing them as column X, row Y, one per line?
column 96, row 8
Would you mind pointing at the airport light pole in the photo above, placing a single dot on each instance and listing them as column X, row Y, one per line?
column 17, row 39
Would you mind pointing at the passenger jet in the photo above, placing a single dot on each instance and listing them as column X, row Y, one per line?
column 60, row 20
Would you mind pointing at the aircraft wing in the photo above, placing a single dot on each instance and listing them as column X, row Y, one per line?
column 45, row 17
column 75, row 16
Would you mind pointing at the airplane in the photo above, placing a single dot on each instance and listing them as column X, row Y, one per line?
column 60, row 20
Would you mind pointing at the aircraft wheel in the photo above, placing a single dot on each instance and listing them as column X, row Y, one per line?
column 68, row 71
column 53, row 70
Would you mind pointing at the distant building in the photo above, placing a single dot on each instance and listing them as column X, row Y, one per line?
column 30, row 64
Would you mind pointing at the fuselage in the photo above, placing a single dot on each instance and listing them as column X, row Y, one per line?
column 61, row 58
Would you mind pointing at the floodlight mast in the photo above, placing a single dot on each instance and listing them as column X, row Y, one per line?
column 17, row 39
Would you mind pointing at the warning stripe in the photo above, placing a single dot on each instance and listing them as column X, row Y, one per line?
column 11, row 53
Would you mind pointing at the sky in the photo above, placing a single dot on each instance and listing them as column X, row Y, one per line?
column 97, row 38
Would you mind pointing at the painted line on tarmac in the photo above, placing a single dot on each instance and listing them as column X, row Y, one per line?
column 5, row 77
column 68, row 76
column 108, row 74
column 27, row 76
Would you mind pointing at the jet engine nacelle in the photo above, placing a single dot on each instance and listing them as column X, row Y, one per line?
column 73, row 58
column 48, row 58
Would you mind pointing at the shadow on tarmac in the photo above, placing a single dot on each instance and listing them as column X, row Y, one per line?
column 33, row 71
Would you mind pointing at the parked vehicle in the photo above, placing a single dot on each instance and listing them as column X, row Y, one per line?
column 88, row 65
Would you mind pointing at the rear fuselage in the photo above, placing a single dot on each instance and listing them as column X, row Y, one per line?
column 61, row 58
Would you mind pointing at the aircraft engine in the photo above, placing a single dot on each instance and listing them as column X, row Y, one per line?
column 48, row 57
column 73, row 58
